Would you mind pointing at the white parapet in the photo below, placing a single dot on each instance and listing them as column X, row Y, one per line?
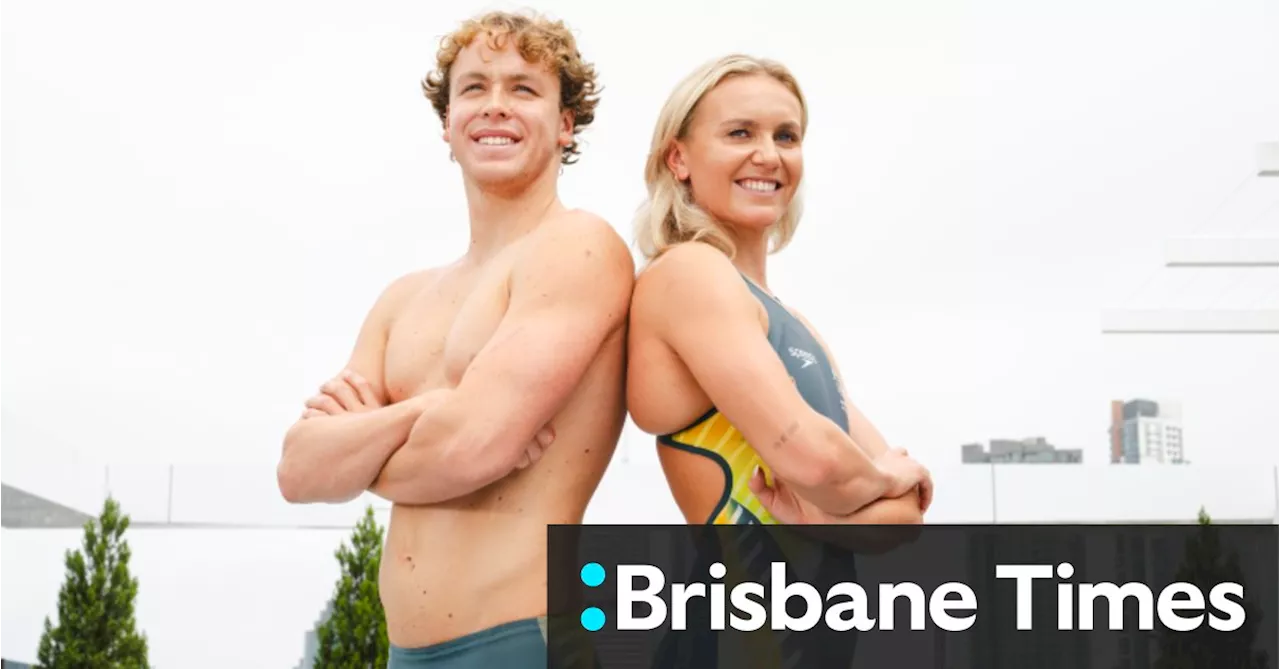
column 1223, row 252
column 1191, row 321
column 1269, row 159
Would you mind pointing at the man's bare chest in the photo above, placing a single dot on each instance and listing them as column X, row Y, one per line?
column 441, row 328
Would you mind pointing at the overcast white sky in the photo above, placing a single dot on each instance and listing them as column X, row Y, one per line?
column 201, row 202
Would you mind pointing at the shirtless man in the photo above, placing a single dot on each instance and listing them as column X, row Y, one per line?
column 484, row 398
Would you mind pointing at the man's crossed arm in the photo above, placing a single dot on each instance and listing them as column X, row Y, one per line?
column 566, row 297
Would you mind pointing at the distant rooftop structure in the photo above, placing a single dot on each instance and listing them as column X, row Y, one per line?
column 311, row 640
column 1213, row 250
column 1269, row 159
column 1033, row 450
column 21, row 509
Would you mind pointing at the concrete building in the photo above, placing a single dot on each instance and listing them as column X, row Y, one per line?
column 311, row 640
column 20, row 508
column 1146, row 432
column 1033, row 450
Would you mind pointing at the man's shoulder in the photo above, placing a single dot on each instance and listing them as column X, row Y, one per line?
column 411, row 282
column 588, row 231
column 404, row 287
column 582, row 239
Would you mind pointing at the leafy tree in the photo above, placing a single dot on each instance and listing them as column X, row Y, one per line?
column 1205, row 566
column 355, row 633
column 96, row 627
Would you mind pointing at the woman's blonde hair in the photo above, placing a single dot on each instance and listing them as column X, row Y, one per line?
column 669, row 216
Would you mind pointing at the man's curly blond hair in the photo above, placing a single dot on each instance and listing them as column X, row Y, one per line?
column 538, row 40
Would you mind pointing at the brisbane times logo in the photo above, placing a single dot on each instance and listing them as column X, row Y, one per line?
column 645, row 601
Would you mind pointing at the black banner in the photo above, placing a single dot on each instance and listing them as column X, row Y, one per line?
column 982, row 597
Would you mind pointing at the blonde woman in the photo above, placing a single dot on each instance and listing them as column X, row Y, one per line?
column 742, row 393
column 746, row 401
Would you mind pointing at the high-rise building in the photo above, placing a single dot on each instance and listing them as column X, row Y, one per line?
column 1031, row 450
column 1146, row 432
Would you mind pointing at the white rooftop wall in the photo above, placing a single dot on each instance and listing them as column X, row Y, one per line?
column 252, row 593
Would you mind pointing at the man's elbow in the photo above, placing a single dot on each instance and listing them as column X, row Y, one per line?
column 297, row 485
column 468, row 462
column 290, row 483
column 289, row 479
column 485, row 463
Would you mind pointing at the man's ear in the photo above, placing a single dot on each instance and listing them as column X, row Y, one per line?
column 566, row 127
column 676, row 161
column 445, row 133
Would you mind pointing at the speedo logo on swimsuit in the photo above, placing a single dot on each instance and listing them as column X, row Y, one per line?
column 806, row 356
column 752, row 606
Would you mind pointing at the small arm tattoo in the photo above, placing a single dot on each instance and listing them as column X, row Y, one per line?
column 786, row 436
